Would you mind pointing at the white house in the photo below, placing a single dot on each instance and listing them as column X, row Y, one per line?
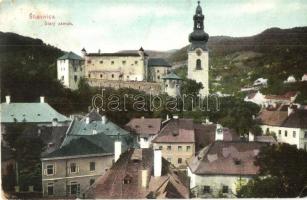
column 290, row 79
column 70, row 69
column 255, row 97
column 221, row 166
column 304, row 77
column 260, row 82
column 288, row 123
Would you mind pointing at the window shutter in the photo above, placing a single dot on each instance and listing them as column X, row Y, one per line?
column 45, row 171
column 78, row 169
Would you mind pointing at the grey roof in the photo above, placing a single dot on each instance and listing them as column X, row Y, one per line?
column 70, row 56
column 84, row 146
column 171, row 75
column 30, row 113
column 158, row 62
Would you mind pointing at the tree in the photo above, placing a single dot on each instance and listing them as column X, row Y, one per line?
column 282, row 173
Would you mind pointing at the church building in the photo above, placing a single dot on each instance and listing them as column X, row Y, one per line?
column 198, row 58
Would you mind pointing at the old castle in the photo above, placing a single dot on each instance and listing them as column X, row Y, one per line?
column 136, row 69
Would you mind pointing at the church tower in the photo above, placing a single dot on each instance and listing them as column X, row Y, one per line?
column 198, row 59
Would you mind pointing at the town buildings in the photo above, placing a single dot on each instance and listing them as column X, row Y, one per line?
column 287, row 123
column 198, row 55
column 144, row 129
column 140, row 174
column 176, row 141
column 219, row 168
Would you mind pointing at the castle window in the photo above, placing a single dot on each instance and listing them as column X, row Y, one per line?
column 101, row 62
column 112, row 62
column 286, row 133
column 75, row 78
column 206, row 189
column 89, row 75
column 198, row 64
column 179, row 160
column 158, row 71
column 158, row 77
column 89, row 61
column 136, row 62
column 112, row 75
column 225, row 189
column 124, row 62
column 100, row 75
column 127, row 77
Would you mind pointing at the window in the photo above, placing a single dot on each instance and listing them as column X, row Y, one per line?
column 294, row 134
column 136, row 62
column 206, row 189
column 169, row 148
column 179, row 148
column 279, row 133
column 305, row 134
column 198, row 64
column 73, row 168
column 101, row 62
column 50, row 169
column 158, row 77
column 100, row 75
column 225, row 189
column 127, row 77
column 267, row 130
column 75, row 69
column 112, row 62
column 286, row 133
column 160, row 147
column 158, row 71
column 89, row 75
column 92, row 166
column 50, row 189
column 179, row 160
column 124, row 62
column 92, row 181
column 74, row 188
column 188, row 148
column 112, row 75
column 75, row 78
column 89, row 61
column 62, row 78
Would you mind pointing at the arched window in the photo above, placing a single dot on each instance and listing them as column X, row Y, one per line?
column 198, row 64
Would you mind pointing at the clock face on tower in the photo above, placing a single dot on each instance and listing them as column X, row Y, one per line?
column 198, row 52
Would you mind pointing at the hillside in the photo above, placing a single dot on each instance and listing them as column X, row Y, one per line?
column 238, row 61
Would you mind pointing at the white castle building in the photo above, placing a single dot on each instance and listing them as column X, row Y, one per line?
column 198, row 59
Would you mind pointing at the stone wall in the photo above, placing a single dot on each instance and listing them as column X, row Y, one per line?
column 154, row 88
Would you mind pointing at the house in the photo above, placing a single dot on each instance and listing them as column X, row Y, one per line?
column 70, row 70
column 260, row 82
column 255, row 97
column 171, row 84
column 304, row 77
column 145, row 129
column 217, row 169
column 176, row 141
column 157, row 68
column 287, row 122
column 140, row 174
column 290, row 79
column 70, row 170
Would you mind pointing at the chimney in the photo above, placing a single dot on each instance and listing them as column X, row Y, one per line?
column 157, row 162
column 144, row 178
column 8, row 99
column 117, row 149
column 219, row 135
column 42, row 99
column 290, row 110
column 251, row 137
column 103, row 119
column 87, row 120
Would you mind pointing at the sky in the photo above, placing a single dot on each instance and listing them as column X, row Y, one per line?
column 111, row 25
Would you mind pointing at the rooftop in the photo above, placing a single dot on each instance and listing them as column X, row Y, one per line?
column 70, row 56
column 129, row 53
column 171, row 75
column 226, row 158
column 158, row 62
column 177, row 131
column 30, row 113
column 144, row 126
column 124, row 179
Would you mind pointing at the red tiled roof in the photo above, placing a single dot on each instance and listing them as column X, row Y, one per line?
column 112, row 186
column 177, row 131
column 226, row 158
column 144, row 126
column 273, row 118
column 297, row 119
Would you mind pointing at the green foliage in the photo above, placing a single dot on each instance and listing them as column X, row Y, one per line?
column 283, row 173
